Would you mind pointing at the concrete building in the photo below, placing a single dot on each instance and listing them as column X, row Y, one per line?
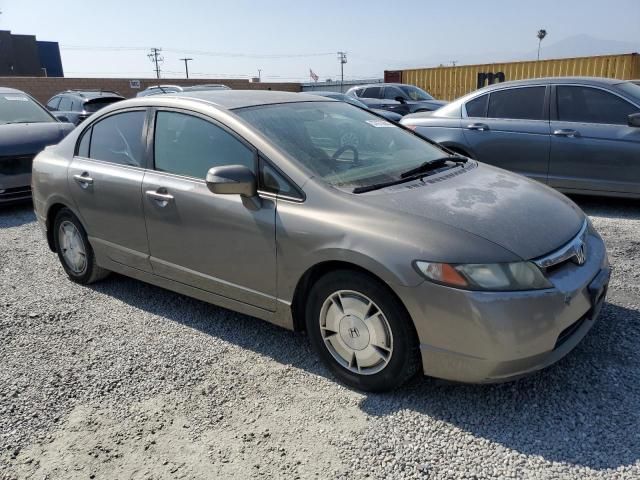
column 24, row 56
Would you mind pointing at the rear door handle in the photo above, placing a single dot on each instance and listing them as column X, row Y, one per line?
column 83, row 180
column 478, row 126
column 161, row 197
column 566, row 132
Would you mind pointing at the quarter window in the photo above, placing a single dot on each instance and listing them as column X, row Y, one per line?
column 188, row 145
column 592, row 105
column 478, row 106
column 83, row 146
column 517, row 103
column 119, row 139
column 53, row 103
column 273, row 181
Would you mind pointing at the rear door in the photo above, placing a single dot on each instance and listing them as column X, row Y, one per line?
column 105, row 179
column 592, row 146
column 217, row 243
column 509, row 128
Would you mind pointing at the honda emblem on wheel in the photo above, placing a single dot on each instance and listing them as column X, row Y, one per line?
column 354, row 332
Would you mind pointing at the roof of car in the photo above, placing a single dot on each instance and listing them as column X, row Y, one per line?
column 231, row 99
column 9, row 90
column 91, row 94
column 554, row 80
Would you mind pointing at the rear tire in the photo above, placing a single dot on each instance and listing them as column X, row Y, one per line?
column 361, row 331
column 74, row 250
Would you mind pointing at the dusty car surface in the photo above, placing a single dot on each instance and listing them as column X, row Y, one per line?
column 579, row 135
column 394, row 256
column 25, row 129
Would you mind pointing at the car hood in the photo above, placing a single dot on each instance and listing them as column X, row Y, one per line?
column 518, row 214
column 31, row 138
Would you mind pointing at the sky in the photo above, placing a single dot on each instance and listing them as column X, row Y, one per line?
column 286, row 38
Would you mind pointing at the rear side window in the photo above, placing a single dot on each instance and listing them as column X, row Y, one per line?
column 119, row 139
column 53, row 103
column 477, row 107
column 65, row 104
column 592, row 105
column 517, row 103
column 188, row 145
column 372, row 92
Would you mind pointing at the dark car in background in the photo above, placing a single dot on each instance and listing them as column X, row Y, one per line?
column 75, row 106
column 159, row 89
column 579, row 135
column 396, row 97
column 26, row 127
column 359, row 102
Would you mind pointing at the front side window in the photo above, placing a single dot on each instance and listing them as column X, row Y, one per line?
column 190, row 146
column 83, row 146
column 19, row 108
column 343, row 145
column 119, row 139
column 391, row 93
column 477, row 107
column 525, row 103
column 592, row 105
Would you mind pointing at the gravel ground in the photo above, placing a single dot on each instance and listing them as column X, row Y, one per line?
column 126, row 380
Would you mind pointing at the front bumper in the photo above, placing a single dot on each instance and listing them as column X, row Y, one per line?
column 481, row 337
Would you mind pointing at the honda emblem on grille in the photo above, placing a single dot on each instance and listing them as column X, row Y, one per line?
column 581, row 254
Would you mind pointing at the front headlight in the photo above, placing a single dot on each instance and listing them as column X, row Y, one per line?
column 491, row 276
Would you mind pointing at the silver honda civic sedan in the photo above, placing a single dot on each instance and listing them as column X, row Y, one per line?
column 394, row 255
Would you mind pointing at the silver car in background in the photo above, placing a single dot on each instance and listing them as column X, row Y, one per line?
column 579, row 135
column 394, row 255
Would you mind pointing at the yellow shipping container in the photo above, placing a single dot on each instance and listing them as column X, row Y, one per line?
column 448, row 83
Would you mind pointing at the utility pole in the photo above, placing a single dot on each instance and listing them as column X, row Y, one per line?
column 186, row 65
column 342, row 56
column 259, row 75
column 541, row 34
column 157, row 59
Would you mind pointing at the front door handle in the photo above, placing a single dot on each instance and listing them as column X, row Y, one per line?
column 566, row 132
column 84, row 180
column 161, row 197
column 478, row 126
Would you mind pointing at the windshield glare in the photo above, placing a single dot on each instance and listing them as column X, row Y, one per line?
column 19, row 108
column 344, row 145
column 415, row 93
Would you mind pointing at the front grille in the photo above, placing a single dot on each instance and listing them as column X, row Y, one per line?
column 17, row 193
column 16, row 165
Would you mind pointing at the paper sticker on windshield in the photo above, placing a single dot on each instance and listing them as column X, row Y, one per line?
column 16, row 98
column 380, row 123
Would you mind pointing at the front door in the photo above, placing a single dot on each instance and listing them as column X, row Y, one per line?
column 217, row 243
column 593, row 148
column 510, row 129
column 105, row 178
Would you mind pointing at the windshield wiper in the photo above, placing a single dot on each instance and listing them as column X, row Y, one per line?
column 412, row 174
column 432, row 165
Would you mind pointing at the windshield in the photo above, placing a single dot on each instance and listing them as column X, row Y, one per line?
column 415, row 93
column 95, row 105
column 631, row 88
column 344, row 145
column 19, row 108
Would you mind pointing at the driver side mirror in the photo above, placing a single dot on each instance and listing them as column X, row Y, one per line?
column 400, row 99
column 62, row 118
column 634, row 120
column 232, row 179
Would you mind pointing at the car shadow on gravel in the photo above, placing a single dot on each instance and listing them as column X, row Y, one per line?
column 584, row 410
column 16, row 214
column 609, row 207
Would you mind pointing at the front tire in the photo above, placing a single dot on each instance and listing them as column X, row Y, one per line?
column 74, row 250
column 361, row 331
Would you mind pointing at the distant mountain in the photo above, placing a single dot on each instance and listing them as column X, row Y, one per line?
column 582, row 46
